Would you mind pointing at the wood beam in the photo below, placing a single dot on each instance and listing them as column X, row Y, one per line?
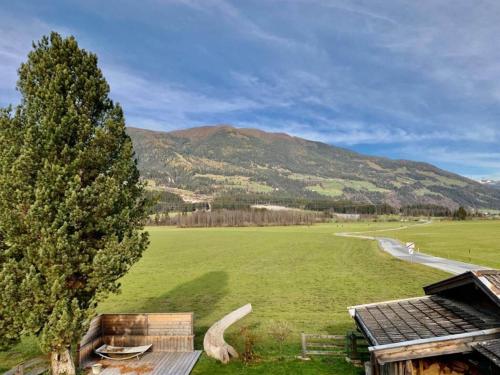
column 452, row 344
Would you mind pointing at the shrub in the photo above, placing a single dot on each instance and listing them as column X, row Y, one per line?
column 280, row 331
column 249, row 340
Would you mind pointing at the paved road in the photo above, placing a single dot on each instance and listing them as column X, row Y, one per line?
column 398, row 250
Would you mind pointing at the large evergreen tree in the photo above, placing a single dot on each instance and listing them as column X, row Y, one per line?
column 71, row 203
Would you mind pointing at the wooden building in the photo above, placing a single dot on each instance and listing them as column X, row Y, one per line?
column 170, row 334
column 454, row 329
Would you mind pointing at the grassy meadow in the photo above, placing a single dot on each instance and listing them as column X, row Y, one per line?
column 305, row 276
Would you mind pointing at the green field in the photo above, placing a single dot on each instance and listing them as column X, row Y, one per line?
column 335, row 187
column 474, row 241
column 303, row 275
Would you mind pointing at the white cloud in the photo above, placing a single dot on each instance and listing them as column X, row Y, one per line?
column 342, row 72
column 345, row 132
column 453, row 43
column 15, row 43
column 489, row 160
column 243, row 24
column 351, row 7
column 150, row 101
column 484, row 164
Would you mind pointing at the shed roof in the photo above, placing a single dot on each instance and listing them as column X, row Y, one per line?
column 490, row 349
column 456, row 315
column 420, row 318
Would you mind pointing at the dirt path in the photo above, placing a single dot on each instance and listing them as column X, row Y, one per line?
column 399, row 250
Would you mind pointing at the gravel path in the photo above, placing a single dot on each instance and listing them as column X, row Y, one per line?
column 399, row 250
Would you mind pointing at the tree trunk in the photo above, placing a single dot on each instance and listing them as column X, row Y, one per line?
column 62, row 363
column 214, row 343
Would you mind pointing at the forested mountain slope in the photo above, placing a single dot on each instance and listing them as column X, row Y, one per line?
column 215, row 159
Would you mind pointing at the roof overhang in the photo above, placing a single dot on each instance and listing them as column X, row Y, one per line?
column 436, row 346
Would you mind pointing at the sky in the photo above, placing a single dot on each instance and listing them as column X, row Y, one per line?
column 404, row 79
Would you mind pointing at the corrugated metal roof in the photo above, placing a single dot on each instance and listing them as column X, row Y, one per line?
column 490, row 349
column 420, row 318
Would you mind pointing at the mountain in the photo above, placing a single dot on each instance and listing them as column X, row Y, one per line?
column 210, row 160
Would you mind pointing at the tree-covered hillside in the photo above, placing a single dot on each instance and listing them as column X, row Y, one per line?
column 210, row 160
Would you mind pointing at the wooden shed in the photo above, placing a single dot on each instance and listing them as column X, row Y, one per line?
column 454, row 329
column 171, row 336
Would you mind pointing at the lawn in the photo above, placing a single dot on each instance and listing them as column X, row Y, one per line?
column 303, row 275
column 472, row 241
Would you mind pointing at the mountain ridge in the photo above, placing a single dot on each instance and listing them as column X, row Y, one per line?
column 214, row 159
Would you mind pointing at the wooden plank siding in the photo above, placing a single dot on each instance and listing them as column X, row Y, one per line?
column 167, row 332
column 160, row 343
column 89, row 342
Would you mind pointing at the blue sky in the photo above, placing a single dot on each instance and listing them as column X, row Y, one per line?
column 405, row 79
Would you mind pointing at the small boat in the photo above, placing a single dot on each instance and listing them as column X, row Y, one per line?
column 118, row 353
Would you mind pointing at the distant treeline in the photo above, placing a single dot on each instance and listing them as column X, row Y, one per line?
column 426, row 210
column 347, row 207
column 168, row 202
column 164, row 201
column 236, row 210
column 238, row 218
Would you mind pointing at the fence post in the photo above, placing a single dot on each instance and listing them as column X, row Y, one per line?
column 354, row 345
column 304, row 345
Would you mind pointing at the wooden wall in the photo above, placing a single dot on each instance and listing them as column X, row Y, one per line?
column 92, row 340
column 180, row 324
column 168, row 332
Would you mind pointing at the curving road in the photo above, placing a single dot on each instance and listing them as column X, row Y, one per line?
column 399, row 250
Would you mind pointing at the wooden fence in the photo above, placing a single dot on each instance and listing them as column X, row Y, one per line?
column 171, row 332
column 313, row 344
